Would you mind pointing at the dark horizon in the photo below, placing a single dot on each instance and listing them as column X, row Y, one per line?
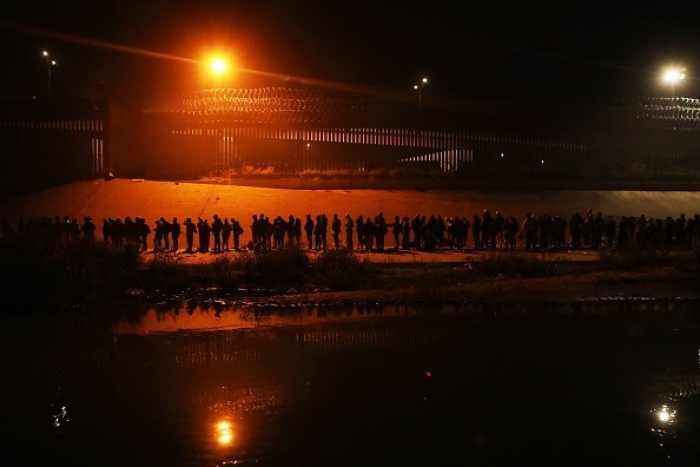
column 551, row 53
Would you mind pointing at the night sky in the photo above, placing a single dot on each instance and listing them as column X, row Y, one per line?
column 555, row 51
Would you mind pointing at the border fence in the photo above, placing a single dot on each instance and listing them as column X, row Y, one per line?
column 296, row 131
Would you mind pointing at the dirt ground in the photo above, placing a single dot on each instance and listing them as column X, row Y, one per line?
column 150, row 199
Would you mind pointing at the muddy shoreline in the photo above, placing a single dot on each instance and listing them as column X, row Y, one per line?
column 582, row 287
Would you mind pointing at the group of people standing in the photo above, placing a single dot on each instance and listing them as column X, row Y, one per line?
column 368, row 233
column 217, row 236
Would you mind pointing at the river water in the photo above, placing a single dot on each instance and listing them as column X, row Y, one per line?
column 582, row 383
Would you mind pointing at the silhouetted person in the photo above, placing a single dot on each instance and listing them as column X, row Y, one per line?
column 118, row 233
column 166, row 233
column 291, row 236
column 130, row 230
column 318, row 235
column 529, row 230
column 380, row 231
column 359, row 228
column 216, row 227
column 106, row 230
column 309, row 229
column 256, row 231
column 158, row 236
column 498, row 223
column 88, row 229
column 297, row 232
column 175, row 230
column 476, row 232
column 576, row 230
column 204, row 231
column 369, row 229
column 190, row 230
column 279, row 230
column 226, row 231
column 144, row 232
column 511, row 232
column 335, row 229
column 405, row 233
column 396, row 231
column 237, row 230
column 417, row 226
column 75, row 229
column 349, row 232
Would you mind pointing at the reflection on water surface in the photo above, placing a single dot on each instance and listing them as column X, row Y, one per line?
column 564, row 383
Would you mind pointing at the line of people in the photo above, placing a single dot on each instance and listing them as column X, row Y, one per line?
column 368, row 233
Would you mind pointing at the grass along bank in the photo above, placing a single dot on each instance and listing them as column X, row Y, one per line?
column 44, row 272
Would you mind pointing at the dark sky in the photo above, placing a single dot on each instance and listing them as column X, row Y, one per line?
column 561, row 51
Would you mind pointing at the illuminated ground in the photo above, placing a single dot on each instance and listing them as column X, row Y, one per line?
column 151, row 200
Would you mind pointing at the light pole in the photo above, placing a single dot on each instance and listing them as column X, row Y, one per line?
column 49, row 64
column 218, row 66
column 674, row 76
column 419, row 87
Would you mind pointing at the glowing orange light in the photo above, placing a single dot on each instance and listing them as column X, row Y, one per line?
column 218, row 66
column 224, row 433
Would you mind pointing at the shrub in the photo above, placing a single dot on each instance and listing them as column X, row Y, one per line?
column 340, row 270
column 224, row 272
column 43, row 270
column 275, row 268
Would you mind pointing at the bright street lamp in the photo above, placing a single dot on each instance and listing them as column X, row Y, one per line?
column 49, row 64
column 674, row 76
column 218, row 66
column 419, row 87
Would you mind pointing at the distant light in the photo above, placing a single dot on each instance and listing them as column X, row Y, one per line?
column 61, row 416
column 665, row 414
column 45, row 53
column 502, row 155
column 420, row 85
column 674, row 75
column 543, row 161
column 218, row 66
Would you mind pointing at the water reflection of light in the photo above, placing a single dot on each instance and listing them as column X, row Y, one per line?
column 248, row 317
column 60, row 417
column 224, row 433
column 59, row 411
